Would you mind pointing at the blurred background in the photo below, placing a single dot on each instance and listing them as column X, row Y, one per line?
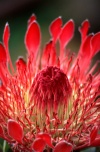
column 16, row 13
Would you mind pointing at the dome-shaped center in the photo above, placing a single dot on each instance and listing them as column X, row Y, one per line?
column 50, row 85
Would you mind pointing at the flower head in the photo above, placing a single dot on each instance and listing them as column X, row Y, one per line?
column 51, row 101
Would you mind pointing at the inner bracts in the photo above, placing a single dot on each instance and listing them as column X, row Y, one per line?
column 50, row 88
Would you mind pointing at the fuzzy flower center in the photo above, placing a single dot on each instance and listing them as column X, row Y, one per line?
column 51, row 87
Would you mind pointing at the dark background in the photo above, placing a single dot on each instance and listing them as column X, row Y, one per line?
column 17, row 12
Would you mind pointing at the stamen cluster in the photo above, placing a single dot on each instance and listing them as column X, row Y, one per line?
column 52, row 102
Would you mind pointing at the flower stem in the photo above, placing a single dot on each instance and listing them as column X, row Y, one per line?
column 4, row 146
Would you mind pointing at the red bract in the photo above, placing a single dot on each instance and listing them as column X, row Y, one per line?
column 63, row 146
column 15, row 130
column 52, row 102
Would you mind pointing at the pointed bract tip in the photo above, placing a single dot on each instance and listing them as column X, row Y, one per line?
column 6, row 36
column 7, row 24
column 55, row 28
column 83, row 29
column 31, row 19
column 33, row 38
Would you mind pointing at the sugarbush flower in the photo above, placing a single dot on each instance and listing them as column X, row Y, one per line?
column 51, row 102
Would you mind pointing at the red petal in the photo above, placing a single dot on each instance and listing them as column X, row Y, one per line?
column 32, row 38
column 55, row 28
column 96, row 142
column 84, row 29
column 85, row 53
column 15, row 130
column 6, row 35
column 49, row 55
column 66, row 33
column 31, row 19
column 21, row 64
column 3, row 65
column 95, row 43
column 46, row 54
column 38, row 145
column 86, row 49
column 63, row 146
column 47, row 138
column 3, row 57
column 93, row 134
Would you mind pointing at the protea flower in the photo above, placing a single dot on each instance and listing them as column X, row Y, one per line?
column 52, row 101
